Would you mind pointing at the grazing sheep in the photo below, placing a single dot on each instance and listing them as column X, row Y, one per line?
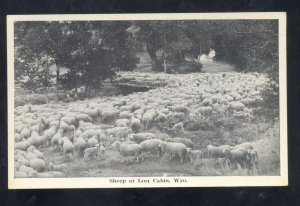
column 161, row 117
column 28, row 170
column 126, row 115
column 194, row 154
column 173, row 149
column 77, row 133
column 252, row 161
column 245, row 145
column 206, row 111
column 49, row 174
column 38, row 127
column 115, row 130
column 235, row 157
column 91, row 152
column 135, row 124
column 124, row 122
column 151, row 145
column 139, row 137
column 83, row 117
column 55, row 140
column 148, row 118
column 68, row 148
column 187, row 142
column 18, row 137
column 20, row 174
column 37, row 164
column 63, row 126
column 109, row 115
column 69, row 120
column 93, row 141
column 178, row 127
column 38, row 141
column 23, row 145
column 25, row 133
column 126, row 150
column 80, row 145
column 238, row 106
column 216, row 152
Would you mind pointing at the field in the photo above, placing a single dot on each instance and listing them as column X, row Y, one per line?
column 207, row 108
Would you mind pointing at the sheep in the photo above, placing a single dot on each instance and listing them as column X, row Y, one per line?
column 20, row 174
column 126, row 150
column 207, row 102
column 245, row 145
column 161, row 117
column 206, row 111
column 83, row 117
column 36, row 152
column 38, row 127
column 37, row 164
column 179, row 108
column 23, row 145
column 151, row 145
column 173, row 149
column 127, row 108
column 80, row 145
column 187, row 142
column 216, row 152
column 252, row 161
column 135, row 124
column 178, row 127
column 25, row 133
column 91, row 152
column 236, row 156
column 55, row 140
column 68, row 148
column 92, row 141
column 194, row 154
column 18, row 137
column 49, row 174
column 51, row 131
column 77, row 133
column 148, row 118
column 109, row 115
column 22, row 160
column 125, row 115
column 123, row 122
column 38, row 141
column 63, row 126
column 115, row 130
column 139, row 137
column 237, row 105
column 27, row 170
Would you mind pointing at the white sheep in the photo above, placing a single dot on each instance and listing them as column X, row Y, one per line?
column 194, row 154
column 91, row 152
column 126, row 115
column 37, row 164
column 151, row 145
column 68, row 148
column 109, row 115
column 216, row 152
column 173, row 149
column 187, row 142
column 80, row 145
column 25, row 133
column 135, row 124
column 83, row 117
column 92, row 141
column 127, row 150
column 139, row 137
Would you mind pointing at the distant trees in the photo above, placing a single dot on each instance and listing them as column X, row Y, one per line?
column 93, row 51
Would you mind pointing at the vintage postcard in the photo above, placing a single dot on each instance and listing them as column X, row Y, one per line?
column 147, row 100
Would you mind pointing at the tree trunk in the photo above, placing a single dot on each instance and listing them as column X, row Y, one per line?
column 152, row 54
column 57, row 82
column 164, row 55
column 46, row 81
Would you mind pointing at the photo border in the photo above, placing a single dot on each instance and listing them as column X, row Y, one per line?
column 199, row 181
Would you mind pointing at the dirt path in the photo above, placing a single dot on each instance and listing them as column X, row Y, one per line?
column 213, row 67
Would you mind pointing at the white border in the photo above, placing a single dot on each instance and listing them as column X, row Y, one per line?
column 201, row 181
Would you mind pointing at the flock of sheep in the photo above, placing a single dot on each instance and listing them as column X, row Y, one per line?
column 86, row 129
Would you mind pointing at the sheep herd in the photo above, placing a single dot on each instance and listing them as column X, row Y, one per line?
column 128, row 124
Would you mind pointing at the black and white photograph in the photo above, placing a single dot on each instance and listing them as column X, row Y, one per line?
column 147, row 100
